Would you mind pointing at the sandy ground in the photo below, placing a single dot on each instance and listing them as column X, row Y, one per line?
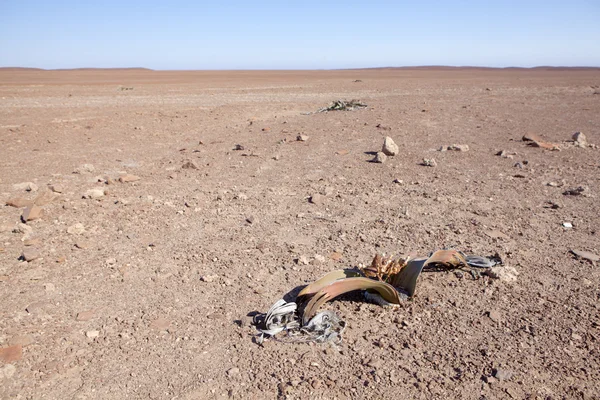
column 144, row 290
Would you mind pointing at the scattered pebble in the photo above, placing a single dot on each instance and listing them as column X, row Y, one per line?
column 128, row 178
column 30, row 254
column 83, row 244
column 380, row 157
column 302, row 138
column 92, row 334
column 429, row 162
column 209, row 278
column 26, row 186
column 57, row 188
column 190, row 165
column 317, row 199
column 567, row 225
column 502, row 374
column 494, row 316
column 577, row 191
column 389, row 147
column 32, row 212
column 586, row 255
column 233, row 372
column 238, row 147
column 76, row 229
column 580, row 139
column 506, row 154
column 302, row 260
column 459, row 147
column 84, row 169
column 94, row 193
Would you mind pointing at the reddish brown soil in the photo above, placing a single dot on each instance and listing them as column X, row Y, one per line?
column 149, row 326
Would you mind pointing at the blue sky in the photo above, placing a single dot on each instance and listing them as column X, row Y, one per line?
column 297, row 34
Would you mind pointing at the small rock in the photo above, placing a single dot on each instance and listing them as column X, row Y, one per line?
column 238, row 147
column 94, row 193
column 83, row 244
column 32, row 212
column 389, row 147
column 567, row 225
column 76, row 229
column 160, row 324
column 506, row 154
column 190, row 165
column 586, row 255
column 30, row 254
column 18, row 202
column 494, row 316
column 302, row 260
column 398, row 181
column 27, row 186
column 209, row 278
column 580, row 139
column 317, row 199
column 49, row 287
column 336, row 256
column 23, row 228
column 111, row 261
column 380, row 158
column 128, row 178
column 84, row 169
column 502, row 374
column 57, row 188
column 92, row 334
column 233, row 372
column 578, row 191
column 459, row 147
column 250, row 219
column 302, row 138
column 85, row 315
column 46, row 197
column 429, row 162
column 11, row 354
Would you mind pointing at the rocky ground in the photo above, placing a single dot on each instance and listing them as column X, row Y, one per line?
column 146, row 214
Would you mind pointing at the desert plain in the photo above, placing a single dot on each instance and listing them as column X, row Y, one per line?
column 171, row 205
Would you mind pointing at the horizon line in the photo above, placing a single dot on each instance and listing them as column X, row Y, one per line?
column 433, row 66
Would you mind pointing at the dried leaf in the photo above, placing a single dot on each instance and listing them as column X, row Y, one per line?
column 387, row 291
column 407, row 278
column 326, row 280
column 446, row 259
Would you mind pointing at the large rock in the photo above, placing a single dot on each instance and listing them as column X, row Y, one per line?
column 389, row 147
